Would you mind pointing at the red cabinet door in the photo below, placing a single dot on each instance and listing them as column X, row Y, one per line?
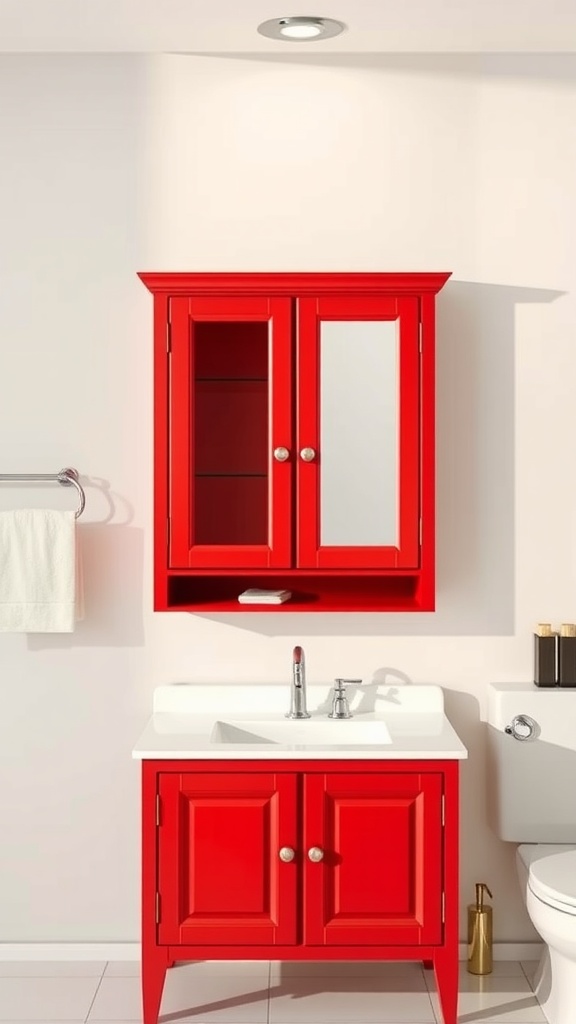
column 358, row 425
column 379, row 881
column 221, row 880
column 230, row 408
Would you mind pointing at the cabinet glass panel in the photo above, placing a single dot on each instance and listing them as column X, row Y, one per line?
column 359, row 432
column 230, row 431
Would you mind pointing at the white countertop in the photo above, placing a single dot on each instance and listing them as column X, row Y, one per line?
column 185, row 716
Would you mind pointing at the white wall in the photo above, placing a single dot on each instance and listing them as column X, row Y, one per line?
column 113, row 165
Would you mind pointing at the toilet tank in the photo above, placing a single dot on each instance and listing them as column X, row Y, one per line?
column 532, row 782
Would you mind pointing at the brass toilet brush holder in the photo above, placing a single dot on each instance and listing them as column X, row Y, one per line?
column 480, row 933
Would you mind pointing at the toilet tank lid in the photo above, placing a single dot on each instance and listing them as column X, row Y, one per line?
column 552, row 874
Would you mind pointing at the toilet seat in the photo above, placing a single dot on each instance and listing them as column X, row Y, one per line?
column 552, row 876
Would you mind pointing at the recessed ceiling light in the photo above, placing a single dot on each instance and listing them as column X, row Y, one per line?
column 300, row 30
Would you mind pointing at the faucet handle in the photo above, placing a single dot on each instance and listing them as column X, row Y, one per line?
column 340, row 708
column 339, row 684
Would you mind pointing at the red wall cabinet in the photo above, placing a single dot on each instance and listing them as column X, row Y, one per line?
column 307, row 860
column 294, row 423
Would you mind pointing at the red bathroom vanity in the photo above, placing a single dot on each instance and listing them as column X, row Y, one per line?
column 307, row 855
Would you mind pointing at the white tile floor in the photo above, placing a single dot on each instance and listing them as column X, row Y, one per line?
column 262, row 993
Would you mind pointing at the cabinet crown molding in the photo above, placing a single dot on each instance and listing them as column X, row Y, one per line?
column 187, row 283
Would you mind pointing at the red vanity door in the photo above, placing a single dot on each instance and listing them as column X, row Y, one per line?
column 221, row 878
column 378, row 880
column 358, row 432
column 230, row 424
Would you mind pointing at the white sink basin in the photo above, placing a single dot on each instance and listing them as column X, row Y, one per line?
column 301, row 732
column 219, row 722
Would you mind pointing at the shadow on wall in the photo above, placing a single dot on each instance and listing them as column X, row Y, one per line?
column 475, row 486
column 112, row 557
column 552, row 67
column 112, row 561
column 483, row 856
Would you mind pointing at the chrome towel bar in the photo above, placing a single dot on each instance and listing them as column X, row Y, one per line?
column 68, row 477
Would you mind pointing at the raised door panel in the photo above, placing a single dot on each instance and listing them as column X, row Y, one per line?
column 358, row 422
column 380, row 880
column 230, row 407
column 221, row 880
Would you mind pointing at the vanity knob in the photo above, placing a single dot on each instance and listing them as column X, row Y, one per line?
column 307, row 454
column 281, row 454
column 286, row 854
column 315, row 854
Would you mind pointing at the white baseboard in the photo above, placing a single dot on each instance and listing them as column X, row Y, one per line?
column 99, row 951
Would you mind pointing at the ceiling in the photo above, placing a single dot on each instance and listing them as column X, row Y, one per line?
column 229, row 26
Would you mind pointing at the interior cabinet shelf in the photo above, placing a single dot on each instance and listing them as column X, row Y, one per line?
column 314, row 592
column 230, row 474
column 234, row 380
column 294, row 440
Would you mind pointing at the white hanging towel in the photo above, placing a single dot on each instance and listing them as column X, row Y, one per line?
column 39, row 574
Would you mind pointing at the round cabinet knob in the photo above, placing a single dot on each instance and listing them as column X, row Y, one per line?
column 286, row 854
column 522, row 727
column 307, row 454
column 315, row 854
column 281, row 454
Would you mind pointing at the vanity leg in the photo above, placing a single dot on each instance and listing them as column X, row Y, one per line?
column 155, row 958
column 446, row 971
column 154, row 964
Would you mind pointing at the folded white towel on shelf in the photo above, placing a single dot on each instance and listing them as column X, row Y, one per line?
column 254, row 595
column 40, row 586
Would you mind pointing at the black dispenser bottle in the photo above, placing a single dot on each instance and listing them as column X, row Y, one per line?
column 567, row 655
column 544, row 655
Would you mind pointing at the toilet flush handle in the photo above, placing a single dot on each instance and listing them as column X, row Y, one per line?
column 522, row 727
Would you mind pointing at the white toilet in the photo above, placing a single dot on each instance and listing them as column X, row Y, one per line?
column 532, row 801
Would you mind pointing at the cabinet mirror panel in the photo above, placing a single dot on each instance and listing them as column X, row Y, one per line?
column 230, row 429
column 359, row 432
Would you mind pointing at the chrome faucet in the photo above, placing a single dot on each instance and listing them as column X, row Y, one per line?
column 298, row 686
